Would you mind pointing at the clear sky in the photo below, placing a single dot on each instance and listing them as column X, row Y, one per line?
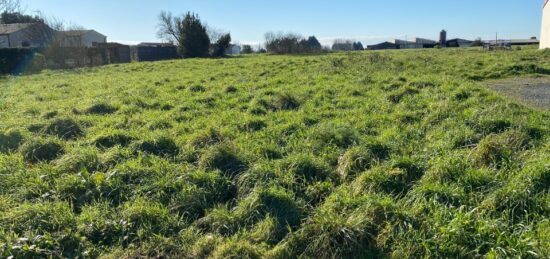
column 370, row 21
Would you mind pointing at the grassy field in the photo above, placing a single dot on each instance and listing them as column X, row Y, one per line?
column 401, row 154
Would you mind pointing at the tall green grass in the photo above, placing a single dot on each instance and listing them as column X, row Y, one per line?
column 400, row 154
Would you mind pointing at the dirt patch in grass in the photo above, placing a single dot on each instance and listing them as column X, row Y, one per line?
column 531, row 91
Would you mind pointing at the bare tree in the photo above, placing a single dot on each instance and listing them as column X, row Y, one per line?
column 9, row 5
column 169, row 27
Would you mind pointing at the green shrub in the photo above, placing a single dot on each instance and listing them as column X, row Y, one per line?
column 40, row 150
column 101, row 109
column 10, row 141
column 224, row 158
column 162, row 146
column 64, row 129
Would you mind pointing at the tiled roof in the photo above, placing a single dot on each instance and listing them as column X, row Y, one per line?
column 11, row 28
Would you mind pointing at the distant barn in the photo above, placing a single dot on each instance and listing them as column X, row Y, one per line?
column 545, row 33
column 154, row 51
column 383, row 45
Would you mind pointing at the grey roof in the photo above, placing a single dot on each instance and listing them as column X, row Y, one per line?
column 15, row 27
column 155, row 44
column 460, row 40
column 77, row 32
column 516, row 41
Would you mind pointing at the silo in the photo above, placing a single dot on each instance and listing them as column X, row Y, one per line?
column 545, row 28
column 443, row 38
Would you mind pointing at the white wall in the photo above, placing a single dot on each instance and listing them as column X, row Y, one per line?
column 4, row 41
column 92, row 37
column 545, row 34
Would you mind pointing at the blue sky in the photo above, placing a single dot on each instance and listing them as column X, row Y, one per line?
column 370, row 21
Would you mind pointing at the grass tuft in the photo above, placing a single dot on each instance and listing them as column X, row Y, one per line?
column 10, row 141
column 40, row 150
column 66, row 129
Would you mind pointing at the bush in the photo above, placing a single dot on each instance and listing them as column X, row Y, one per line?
column 36, row 151
column 223, row 158
column 101, row 109
column 162, row 146
column 66, row 129
column 15, row 61
column 10, row 141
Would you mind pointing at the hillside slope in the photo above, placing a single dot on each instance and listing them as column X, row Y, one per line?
column 398, row 154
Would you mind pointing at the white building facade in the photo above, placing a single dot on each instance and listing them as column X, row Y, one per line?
column 81, row 38
column 545, row 33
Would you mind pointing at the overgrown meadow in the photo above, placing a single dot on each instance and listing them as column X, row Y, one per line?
column 401, row 154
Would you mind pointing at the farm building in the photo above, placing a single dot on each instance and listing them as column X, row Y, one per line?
column 154, row 51
column 515, row 42
column 383, row 45
column 545, row 33
column 415, row 43
column 115, row 52
column 81, row 38
column 459, row 43
column 19, row 35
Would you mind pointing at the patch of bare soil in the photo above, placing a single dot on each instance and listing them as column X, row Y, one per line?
column 531, row 91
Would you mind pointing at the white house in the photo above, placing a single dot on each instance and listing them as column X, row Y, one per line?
column 81, row 38
column 233, row 50
column 19, row 35
column 545, row 33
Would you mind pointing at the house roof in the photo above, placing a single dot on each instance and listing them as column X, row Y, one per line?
column 516, row 41
column 78, row 32
column 155, row 44
column 15, row 27
column 460, row 40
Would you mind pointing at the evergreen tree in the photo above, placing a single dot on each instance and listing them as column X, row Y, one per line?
column 358, row 46
column 221, row 46
column 193, row 41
